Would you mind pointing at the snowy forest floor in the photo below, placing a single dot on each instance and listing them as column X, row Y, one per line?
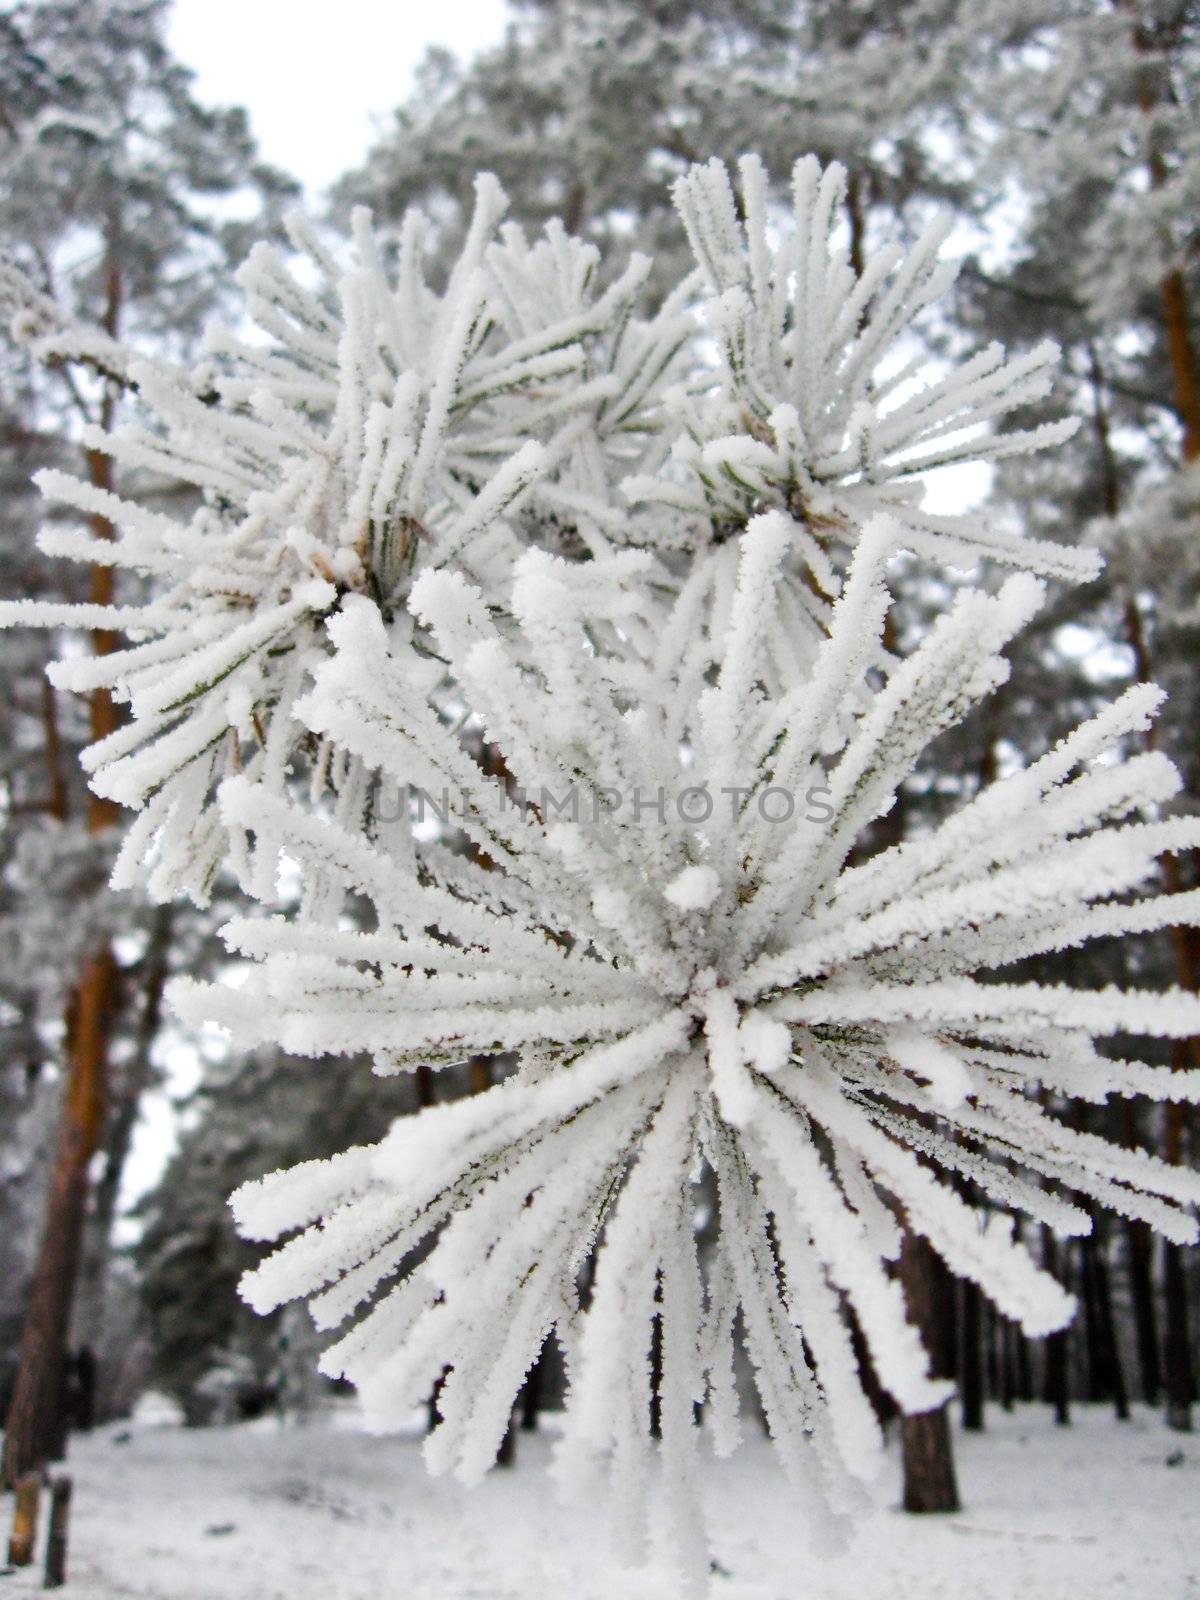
column 322, row 1512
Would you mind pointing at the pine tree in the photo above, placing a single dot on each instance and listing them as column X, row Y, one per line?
column 1098, row 132
column 590, row 107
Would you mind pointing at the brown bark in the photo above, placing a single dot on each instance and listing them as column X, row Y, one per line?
column 33, row 1427
column 25, row 1520
column 32, row 1417
column 103, row 714
column 56, row 1543
column 1181, row 352
column 930, row 1483
column 1183, row 363
column 1178, row 1378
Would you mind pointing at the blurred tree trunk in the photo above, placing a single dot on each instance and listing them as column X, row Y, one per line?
column 1153, row 87
column 1179, row 1379
column 930, row 1483
column 1185, row 378
column 1179, row 1382
column 1025, row 1388
column 34, row 1426
column 1106, row 1379
column 127, row 1097
column 1056, row 1389
column 1139, row 1243
column 971, row 1356
column 1008, row 1369
column 992, row 1350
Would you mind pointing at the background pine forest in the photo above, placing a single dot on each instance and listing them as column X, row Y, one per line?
column 1064, row 138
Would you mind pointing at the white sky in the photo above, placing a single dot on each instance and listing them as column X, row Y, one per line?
column 321, row 77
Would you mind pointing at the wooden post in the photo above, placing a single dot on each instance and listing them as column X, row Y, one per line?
column 56, row 1543
column 25, row 1520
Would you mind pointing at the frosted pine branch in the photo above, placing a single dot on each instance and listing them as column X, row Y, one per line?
column 725, row 989
column 809, row 408
column 609, row 591
column 379, row 428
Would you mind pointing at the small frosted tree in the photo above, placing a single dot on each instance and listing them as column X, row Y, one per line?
column 610, row 592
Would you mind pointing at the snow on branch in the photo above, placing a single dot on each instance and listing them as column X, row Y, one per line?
column 694, row 964
column 546, row 639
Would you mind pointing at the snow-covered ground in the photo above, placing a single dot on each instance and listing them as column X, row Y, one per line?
column 322, row 1512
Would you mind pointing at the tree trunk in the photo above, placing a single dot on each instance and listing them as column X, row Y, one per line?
column 943, row 1352
column 1056, row 1391
column 1106, row 1378
column 30, row 1434
column 1173, row 292
column 127, row 1096
column 23, row 1539
column 56, row 1544
column 971, row 1357
column 1145, row 1319
column 1008, row 1369
column 1179, row 1379
column 929, row 1479
column 930, row 1483
column 34, row 1424
column 1177, row 1352
column 1108, row 1328
column 1139, row 1247
column 1025, row 1390
column 1183, row 363
column 1178, row 1375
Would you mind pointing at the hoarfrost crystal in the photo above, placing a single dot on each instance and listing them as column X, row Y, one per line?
column 740, row 992
column 520, row 543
